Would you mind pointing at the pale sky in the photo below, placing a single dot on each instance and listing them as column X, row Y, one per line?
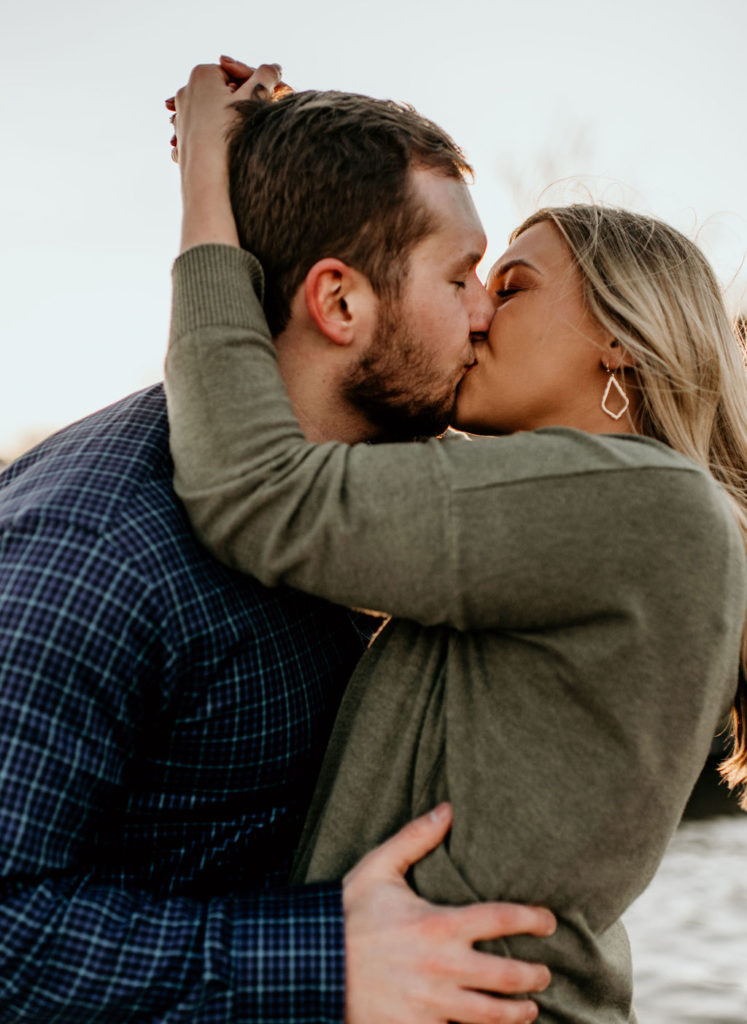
column 640, row 103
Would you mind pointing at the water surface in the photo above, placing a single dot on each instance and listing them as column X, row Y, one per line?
column 688, row 931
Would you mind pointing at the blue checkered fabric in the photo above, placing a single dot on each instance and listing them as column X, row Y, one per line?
column 162, row 719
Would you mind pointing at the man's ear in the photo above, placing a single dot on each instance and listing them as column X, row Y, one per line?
column 339, row 300
column 615, row 357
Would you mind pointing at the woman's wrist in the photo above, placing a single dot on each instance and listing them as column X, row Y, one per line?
column 206, row 206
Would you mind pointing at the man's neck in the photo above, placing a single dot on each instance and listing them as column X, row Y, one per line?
column 313, row 376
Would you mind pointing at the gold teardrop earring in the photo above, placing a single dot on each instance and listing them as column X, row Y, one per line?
column 613, row 382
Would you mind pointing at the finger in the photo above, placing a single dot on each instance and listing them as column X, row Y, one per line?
column 241, row 72
column 504, row 975
column 476, row 1008
column 397, row 855
column 236, row 72
column 494, row 920
column 236, row 68
column 261, row 84
column 175, row 155
column 266, row 77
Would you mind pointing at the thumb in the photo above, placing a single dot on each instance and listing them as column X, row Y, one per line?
column 413, row 842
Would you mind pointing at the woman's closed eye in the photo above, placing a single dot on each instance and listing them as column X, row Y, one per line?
column 505, row 293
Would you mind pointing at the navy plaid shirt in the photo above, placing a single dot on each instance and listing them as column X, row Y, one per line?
column 161, row 721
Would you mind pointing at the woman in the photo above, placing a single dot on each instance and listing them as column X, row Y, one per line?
column 570, row 601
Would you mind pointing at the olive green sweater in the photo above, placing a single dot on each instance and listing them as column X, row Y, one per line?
column 568, row 610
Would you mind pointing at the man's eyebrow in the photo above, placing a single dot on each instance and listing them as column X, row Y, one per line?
column 505, row 267
column 468, row 262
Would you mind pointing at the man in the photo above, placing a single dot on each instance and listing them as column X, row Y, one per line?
column 162, row 718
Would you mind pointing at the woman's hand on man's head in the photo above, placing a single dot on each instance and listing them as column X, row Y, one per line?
column 203, row 114
column 203, row 108
column 239, row 73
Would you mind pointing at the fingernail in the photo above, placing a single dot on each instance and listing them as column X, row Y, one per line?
column 439, row 813
column 224, row 57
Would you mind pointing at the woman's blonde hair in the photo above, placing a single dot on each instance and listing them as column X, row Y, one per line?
column 654, row 290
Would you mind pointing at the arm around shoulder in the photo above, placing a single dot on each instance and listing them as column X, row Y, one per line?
column 500, row 532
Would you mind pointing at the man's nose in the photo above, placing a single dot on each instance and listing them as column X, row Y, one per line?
column 482, row 310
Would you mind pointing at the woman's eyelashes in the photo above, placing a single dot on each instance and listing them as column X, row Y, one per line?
column 505, row 293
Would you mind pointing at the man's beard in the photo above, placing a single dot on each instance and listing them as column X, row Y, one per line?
column 395, row 384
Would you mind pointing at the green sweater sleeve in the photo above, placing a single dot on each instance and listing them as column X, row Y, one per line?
column 425, row 531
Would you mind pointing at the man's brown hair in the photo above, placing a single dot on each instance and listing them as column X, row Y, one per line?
column 326, row 174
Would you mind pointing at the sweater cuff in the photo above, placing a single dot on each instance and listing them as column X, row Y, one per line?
column 289, row 956
column 215, row 285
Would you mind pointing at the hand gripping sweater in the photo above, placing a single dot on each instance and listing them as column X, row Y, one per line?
column 567, row 617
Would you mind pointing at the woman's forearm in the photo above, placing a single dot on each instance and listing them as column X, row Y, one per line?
column 203, row 119
column 206, row 209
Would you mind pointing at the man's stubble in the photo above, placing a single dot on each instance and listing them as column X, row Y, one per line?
column 396, row 385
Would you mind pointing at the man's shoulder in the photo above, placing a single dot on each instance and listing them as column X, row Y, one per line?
column 99, row 493
column 86, row 474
